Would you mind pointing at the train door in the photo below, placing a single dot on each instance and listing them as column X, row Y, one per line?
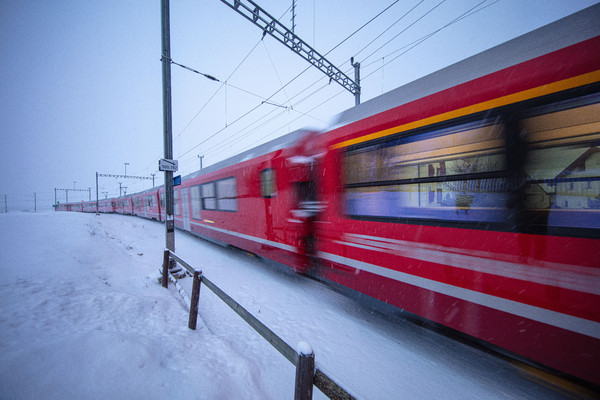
column 268, row 191
column 303, row 207
column 185, row 208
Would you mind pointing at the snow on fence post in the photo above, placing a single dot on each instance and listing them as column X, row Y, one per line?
column 194, row 301
column 165, row 269
column 305, row 370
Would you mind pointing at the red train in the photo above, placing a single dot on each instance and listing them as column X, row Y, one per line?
column 470, row 197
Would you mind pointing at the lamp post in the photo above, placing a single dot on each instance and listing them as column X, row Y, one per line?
column 126, row 164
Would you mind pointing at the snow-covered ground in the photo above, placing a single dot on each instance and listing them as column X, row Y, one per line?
column 82, row 316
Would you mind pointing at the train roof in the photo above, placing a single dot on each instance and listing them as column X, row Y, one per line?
column 260, row 150
column 567, row 31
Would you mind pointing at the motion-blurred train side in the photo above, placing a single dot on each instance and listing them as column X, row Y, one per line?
column 470, row 197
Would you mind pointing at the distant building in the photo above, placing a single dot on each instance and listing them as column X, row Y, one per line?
column 578, row 186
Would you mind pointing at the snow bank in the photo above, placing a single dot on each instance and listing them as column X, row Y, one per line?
column 82, row 316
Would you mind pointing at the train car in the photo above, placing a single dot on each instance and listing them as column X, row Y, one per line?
column 471, row 197
column 123, row 205
column 254, row 201
column 106, row 206
column 146, row 204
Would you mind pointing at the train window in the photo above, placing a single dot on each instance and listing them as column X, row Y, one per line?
column 268, row 187
column 196, row 202
column 450, row 174
column 563, row 164
column 227, row 194
column 150, row 201
column 176, row 204
column 209, row 200
column 461, row 173
column 162, row 200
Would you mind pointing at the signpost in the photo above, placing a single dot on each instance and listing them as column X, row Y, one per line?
column 168, row 165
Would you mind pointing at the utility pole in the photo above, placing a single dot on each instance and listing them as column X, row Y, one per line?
column 120, row 189
column 97, row 201
column 293, row 15
column 126, row 164
column 55, row 204
column 200, row 157
column 5, row 205
column 34, row 202
column 167, row 123
column 356, row 66
column 152, row 179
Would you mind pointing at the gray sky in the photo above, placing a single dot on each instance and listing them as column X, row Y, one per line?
column 80, row 81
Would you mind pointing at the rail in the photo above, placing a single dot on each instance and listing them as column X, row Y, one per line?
column 304, row 361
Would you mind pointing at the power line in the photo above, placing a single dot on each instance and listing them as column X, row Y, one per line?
column 417, row 42
column 405, row 29
column 388, row 28
column 216, row 147
column 284, row 86
column 359, row 29
column 226, row 80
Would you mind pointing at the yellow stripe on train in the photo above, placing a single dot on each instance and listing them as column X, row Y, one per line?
column 580, row 80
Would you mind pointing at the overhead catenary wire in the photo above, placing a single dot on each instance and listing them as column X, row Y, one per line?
column 294, row 108
column 225, row 83
column 267, row 101
column 363, row 26
column 273, row 115
column 405, row 29
column 388, row 28
column 417, row 42
column 248, row 130
column 228, row 78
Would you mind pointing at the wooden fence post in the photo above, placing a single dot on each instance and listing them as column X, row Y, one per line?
column 165, row 269
column 194, row 301
column 305, row 371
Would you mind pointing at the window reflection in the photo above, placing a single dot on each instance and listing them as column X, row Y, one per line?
column 460, row 173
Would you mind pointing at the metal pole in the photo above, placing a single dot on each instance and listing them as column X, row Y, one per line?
column 34, row 202
column 55, row 200
column 67, row 194
column 97, row 193
column 126, row 164
column 356, row 66
column 167, row 123
column 5, row 205
column 200, row 157
column 89, row 193
column 152, row 179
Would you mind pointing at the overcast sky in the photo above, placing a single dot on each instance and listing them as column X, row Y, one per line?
column 80, row 81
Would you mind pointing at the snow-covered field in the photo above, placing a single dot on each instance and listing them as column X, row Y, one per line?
column 82, row 316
